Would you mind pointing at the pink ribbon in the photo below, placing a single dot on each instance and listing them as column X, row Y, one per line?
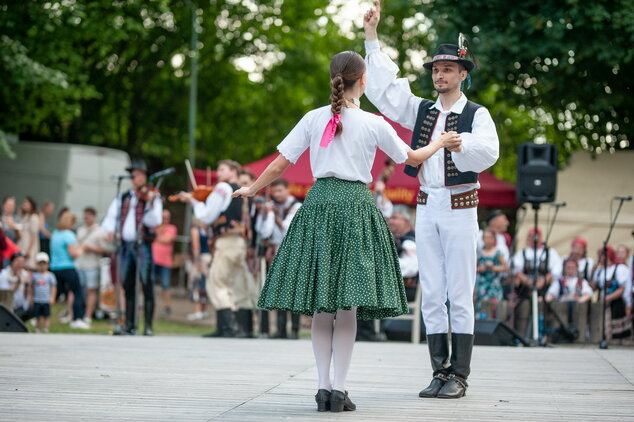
column 329, row 132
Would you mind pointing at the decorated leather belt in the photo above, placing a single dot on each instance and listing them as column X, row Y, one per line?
column 459, row 201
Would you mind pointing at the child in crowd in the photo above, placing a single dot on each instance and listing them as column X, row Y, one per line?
column 44, row 288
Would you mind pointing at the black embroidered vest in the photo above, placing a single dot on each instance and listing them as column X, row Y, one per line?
column 231, row 217
column 421, row 136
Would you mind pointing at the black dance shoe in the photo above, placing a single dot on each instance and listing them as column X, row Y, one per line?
column 434, row 387
column 454, row 388
column 148, row 332
column 340, row 401
column 323, row 400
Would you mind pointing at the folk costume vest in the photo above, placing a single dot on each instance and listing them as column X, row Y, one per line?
column 230, row 218
column 147, row 234
column 421, row 136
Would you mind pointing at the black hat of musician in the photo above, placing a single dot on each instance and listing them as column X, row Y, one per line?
column 137, row 164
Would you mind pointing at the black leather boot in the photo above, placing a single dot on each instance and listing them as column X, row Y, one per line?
column 228, row 327
column 244, row 318
column 294, row 326
column 281, row 325
column 461, row 349
column 439, row 353
column 221, row 315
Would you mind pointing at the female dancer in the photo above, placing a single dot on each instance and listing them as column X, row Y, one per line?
column 338, row 261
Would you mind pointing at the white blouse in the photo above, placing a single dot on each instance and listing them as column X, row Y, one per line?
column 393, row 97
column 350, row 155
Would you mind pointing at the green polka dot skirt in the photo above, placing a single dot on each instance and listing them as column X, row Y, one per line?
column 338, row 253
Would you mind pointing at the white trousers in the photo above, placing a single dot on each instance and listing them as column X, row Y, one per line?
column 446, row 241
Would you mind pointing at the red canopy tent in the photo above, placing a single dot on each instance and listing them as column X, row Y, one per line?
column 400, row 188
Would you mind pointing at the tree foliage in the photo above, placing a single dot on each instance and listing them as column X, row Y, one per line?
column 116, row 73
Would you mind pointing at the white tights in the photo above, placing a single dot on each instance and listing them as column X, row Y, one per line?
column 333, row 339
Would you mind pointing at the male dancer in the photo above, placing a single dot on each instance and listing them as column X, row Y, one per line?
column 446, row 217
column 228, row 273
column 133, row 215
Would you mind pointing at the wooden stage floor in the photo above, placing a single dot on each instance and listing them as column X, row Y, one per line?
column 163, row 378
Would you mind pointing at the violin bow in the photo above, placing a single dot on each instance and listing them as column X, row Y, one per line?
column 190, row 172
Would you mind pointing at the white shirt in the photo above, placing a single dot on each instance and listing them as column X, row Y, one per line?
column 384, row 205
column 584, row 266
column 22, row 294
column 350, row 155
column 152, row 217
column 216, row 203
column 393, row 97
column 408, row 261
column 268, row 229
column 571, row 284
column 554, row 261
column 620, row 276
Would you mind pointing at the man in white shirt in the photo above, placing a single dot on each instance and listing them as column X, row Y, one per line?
column 272, row 223
column 131, row 217
column 228, row 274
column 446, row 226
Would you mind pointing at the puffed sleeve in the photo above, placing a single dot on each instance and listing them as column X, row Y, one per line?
column 480, row 147
column 390, row 143
column 297, row 141
column 391, row 95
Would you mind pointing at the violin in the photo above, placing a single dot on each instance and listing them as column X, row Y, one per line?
column 200, row 193
column 146, row 192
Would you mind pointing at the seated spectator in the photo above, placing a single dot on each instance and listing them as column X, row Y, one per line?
column 617, row 324
column 498, row 223
column 381, row 200
column 569, row 297
column 578, row 252
column 92, row 241
column 44, row 284
column 17, row 279
column 546, row 262
column 29, row 242
column 401, row 224
column 491, row 266
column 163, row 256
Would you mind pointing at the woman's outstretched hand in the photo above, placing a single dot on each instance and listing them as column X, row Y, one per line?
column 244, row 192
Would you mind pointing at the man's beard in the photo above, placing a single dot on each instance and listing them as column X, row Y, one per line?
column 444, row 90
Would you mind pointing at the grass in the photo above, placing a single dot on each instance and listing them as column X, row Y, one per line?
column 160, row 326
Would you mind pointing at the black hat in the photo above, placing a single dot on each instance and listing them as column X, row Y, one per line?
column 451, row 53
column 137, row 164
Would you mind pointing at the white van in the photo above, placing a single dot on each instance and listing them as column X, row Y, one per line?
column 69, row 175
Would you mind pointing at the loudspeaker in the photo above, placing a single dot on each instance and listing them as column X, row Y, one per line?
column 401, row 329
column 490, row 332
column 9, row 322
column 536, row 173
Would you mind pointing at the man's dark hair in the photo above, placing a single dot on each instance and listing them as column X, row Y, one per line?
column 90, row 210
column 247, row 172
column 279, row 182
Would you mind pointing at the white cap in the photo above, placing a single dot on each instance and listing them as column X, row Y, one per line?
column 41, row 257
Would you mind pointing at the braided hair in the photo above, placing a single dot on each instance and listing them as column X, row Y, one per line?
column 346, row 68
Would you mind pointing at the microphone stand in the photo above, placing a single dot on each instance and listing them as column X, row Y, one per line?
column 536, row 262
column 604, row 258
